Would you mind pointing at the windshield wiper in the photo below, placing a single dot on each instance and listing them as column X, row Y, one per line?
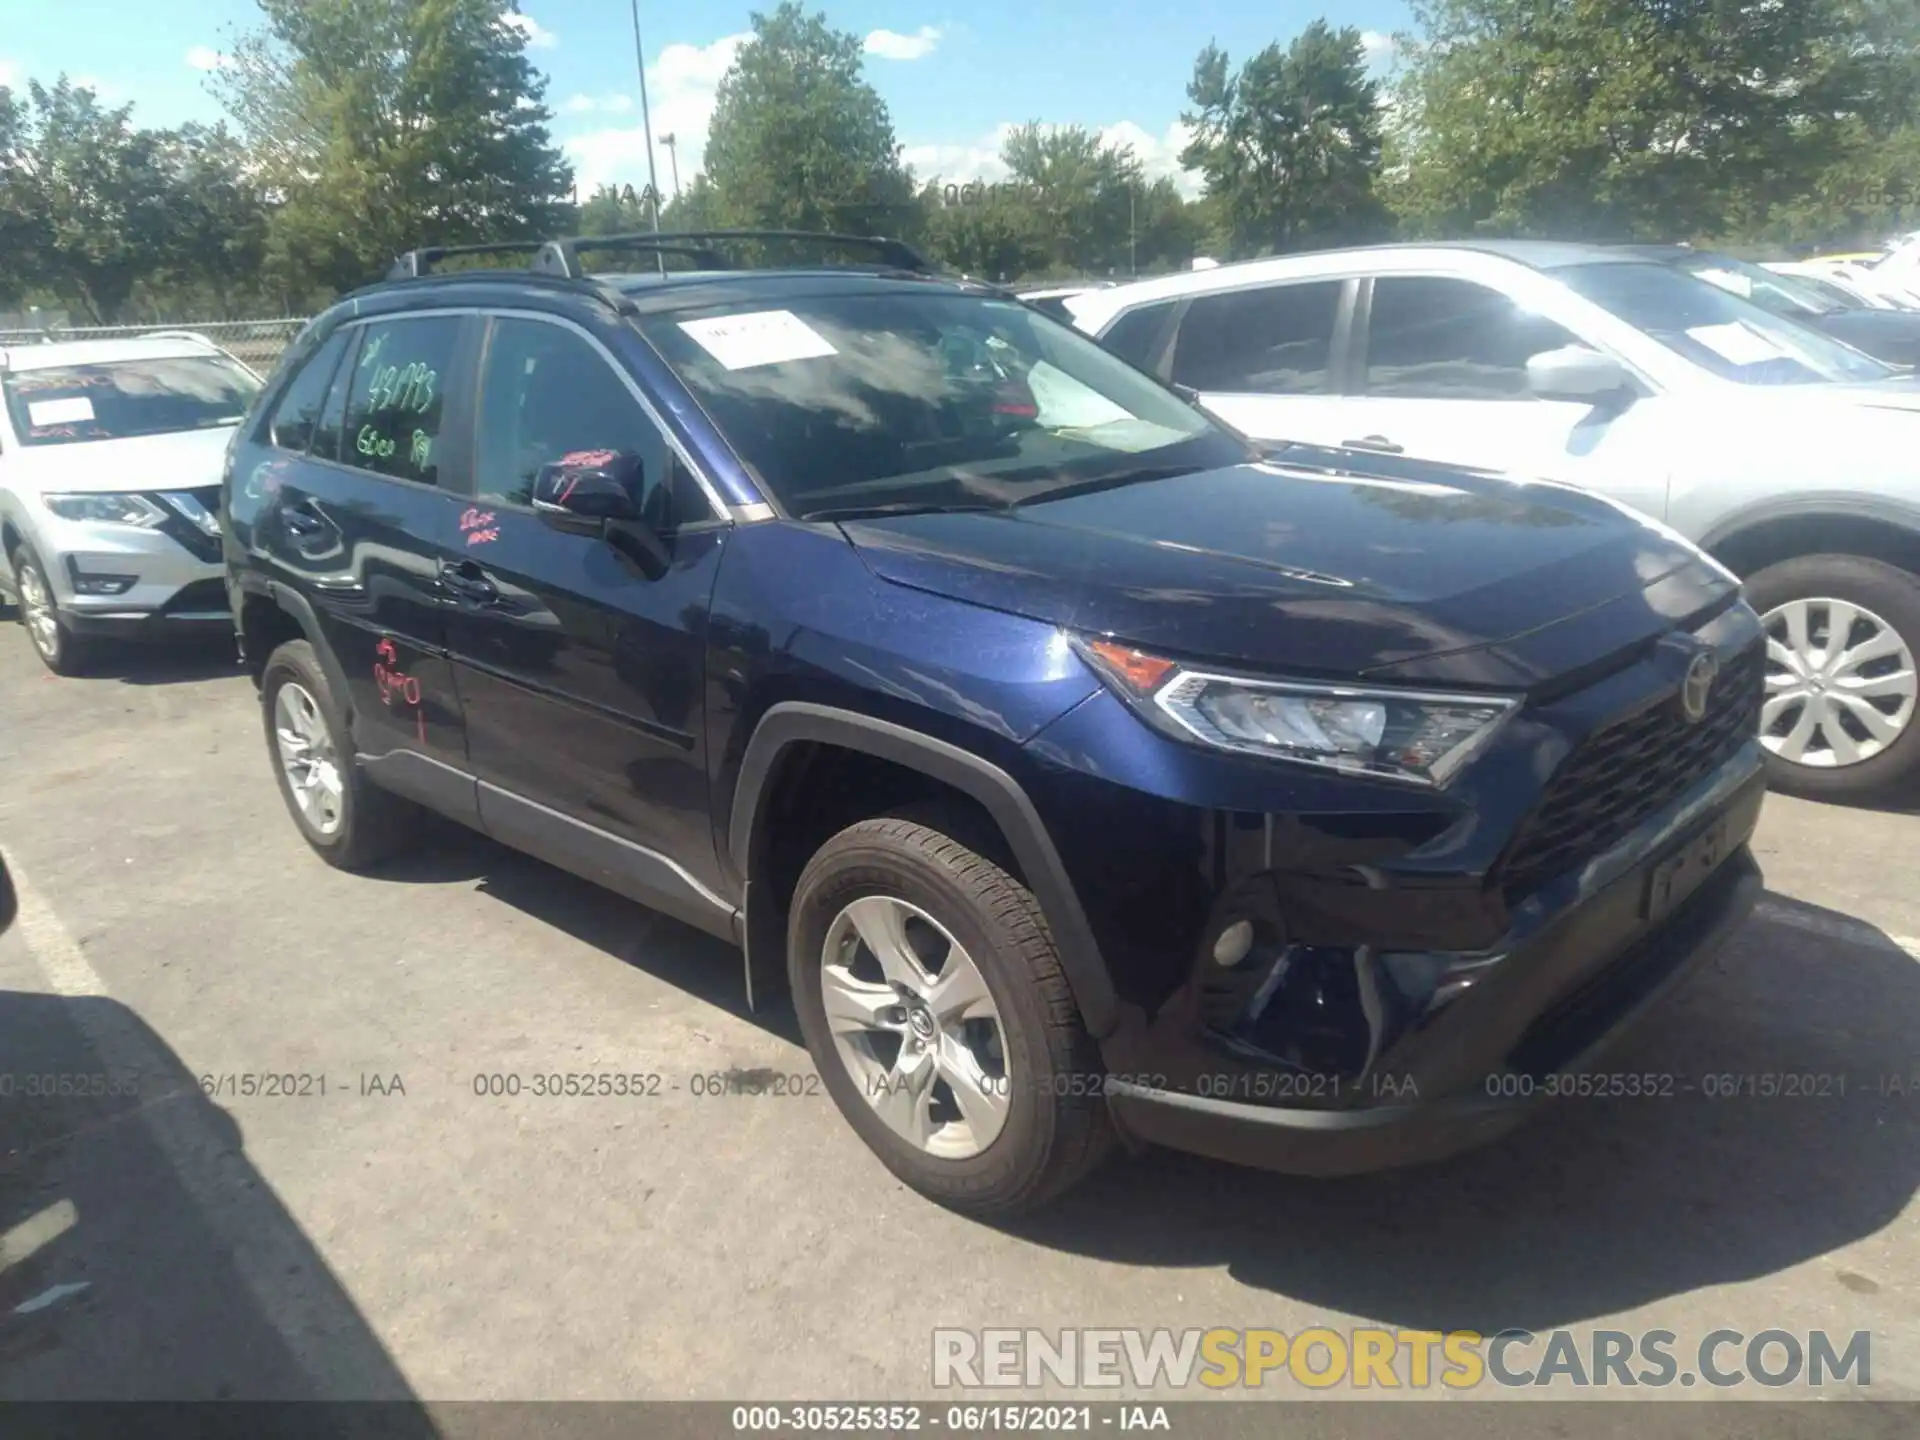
column 1113, row 481
column 903, row 507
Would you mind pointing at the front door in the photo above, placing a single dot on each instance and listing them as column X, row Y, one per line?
column 581, row 659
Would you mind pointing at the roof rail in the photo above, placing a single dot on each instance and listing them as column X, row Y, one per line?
column 562, row 257
column 421, row 262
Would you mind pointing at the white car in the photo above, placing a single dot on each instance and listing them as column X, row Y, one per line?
column 1792, row 458
column 1831, row 280
column 110, row 460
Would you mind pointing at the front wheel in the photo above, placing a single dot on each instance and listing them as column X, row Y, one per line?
column 59, row 649
column 933, row 1002
column 1838, row 722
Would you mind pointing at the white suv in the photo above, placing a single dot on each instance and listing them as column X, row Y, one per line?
column 1792, row 458
column 110, row 458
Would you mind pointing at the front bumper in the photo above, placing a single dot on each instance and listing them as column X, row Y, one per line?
column 1538, row 1013
column 127, row 582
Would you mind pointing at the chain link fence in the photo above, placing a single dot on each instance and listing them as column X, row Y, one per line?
column 257, row 343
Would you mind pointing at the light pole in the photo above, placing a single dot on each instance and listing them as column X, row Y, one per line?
column 646, row 128
column 673, row 154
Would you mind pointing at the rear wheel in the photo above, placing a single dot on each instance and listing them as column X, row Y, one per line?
column 1843, row 631
column 933, row 1002
column 59, row 649
column 348, row 820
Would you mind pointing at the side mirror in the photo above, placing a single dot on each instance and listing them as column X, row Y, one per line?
column 1574, row 372
column 583, row 491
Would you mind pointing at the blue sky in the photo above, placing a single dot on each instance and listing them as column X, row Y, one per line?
column 954, row 76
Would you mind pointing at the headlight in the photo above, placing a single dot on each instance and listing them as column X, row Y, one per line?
column 1407, row 735
column 114, row 509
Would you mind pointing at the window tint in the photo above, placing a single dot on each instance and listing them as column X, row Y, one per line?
column 1135, row 334
column 329, row 439
column 297, row 415
column 1437, row 339
column 545, row 393
column 396, row 397
column 1274, row 341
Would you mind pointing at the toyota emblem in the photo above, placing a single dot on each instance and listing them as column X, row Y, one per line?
column 1698, row 685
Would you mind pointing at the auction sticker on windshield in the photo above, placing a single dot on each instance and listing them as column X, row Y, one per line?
column 1736, row 343
column 765, row 337
column 59, row 412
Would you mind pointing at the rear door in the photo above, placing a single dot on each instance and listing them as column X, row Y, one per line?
column 356, row 515
column 580, row 660
column 1269, row 360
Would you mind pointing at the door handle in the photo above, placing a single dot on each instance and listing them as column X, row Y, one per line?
column 468, row 582
column 302, row 520
column 1379, row 444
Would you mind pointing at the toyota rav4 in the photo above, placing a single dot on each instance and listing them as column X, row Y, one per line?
column 1083, row 771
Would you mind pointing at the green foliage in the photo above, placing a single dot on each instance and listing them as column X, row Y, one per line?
column 1290, row 144
column 616, row 210
column 386, row 124
column 94, row 209
column 799, row 139
column 1641, row 119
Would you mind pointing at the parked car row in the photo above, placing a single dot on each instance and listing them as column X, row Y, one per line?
column 1788, row 455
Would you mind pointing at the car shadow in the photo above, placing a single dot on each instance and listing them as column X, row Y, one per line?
column 171, row 663
column 142, row 1257
column 692, row 961
column 1597, row 1206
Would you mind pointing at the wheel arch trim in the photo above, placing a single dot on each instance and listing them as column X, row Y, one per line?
column 796, row 722
column 1831, row 506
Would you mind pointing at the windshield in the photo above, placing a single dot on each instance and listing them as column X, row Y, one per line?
column 1720, row 332
column 845, row 404
column 119, row 399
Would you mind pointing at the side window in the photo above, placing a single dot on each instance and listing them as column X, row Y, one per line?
column 1135, row 335
column 297, row 416
column 1438, row 339
column 327, row 440
column 545, row 393
column 396, row 397
column 1274, row 341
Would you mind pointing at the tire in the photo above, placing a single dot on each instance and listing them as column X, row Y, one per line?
column 367, row 824
column 1884, row 599
column 59, row 649
column 1054, row 1128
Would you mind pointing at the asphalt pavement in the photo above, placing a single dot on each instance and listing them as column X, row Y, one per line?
column 383, row 1227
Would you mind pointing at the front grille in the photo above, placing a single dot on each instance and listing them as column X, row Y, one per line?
column 1630, row 770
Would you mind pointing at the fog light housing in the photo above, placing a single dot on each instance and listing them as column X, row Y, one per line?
column 91, row 583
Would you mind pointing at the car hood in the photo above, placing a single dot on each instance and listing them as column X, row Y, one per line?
column 1321, row 562
column 185, row 460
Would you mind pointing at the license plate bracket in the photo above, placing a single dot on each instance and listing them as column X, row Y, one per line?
column 1687, row 868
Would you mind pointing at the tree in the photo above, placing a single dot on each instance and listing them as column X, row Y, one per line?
column 1081, row 192
column 617, row 210
column 217, row 224
column 1290, row 145
column 799, row 140
column 84, row 199
column 989, row 232
column 1630, row 119
column 386, row 124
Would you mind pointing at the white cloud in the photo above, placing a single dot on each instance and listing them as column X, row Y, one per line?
column 12, row 77
column 1159, row 155
column 1378, row 47
column 205, row 57
column 537, row 35
column 605, row 104
column 681, row 88
column 892, row 45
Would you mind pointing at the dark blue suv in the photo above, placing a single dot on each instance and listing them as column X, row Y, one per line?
column 1083, row 771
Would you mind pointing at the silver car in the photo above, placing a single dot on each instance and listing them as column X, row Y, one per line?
column 110, row 459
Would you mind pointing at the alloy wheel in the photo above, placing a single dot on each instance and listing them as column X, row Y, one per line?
column 36, row 608
column 916, row 1027
column 1840, row 684
column 308, row 757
